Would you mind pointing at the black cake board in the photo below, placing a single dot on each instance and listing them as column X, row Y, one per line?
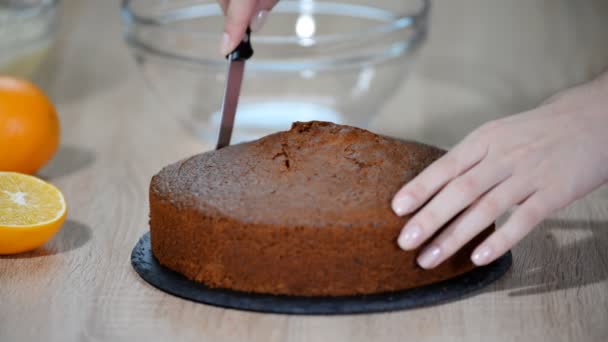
column 146, row 265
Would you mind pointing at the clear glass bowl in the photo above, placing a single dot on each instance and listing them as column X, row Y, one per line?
column 27, row 30
column 314, row 60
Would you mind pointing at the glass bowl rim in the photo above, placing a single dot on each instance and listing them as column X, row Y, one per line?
column 416, row 18
column 41, row 9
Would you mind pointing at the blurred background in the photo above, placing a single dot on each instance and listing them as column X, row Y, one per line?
column 397, row 67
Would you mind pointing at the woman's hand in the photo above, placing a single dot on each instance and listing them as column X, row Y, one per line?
column 541, row 160
column 239, row 15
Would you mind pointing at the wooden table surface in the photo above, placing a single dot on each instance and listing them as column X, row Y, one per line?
column 485, row 59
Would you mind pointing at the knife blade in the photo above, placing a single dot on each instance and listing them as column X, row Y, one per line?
column 236, row 68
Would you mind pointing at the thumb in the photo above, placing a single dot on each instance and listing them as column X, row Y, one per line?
column 238, row 15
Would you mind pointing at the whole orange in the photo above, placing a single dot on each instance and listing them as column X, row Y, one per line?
column 29, row 126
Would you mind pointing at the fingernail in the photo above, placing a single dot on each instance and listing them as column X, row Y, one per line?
column 482, row 256
column 258, row 20
column 403, row 205
column 225, row 45
column 410, row 236
column 429, row 257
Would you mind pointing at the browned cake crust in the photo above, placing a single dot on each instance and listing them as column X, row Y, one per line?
column 303, row 212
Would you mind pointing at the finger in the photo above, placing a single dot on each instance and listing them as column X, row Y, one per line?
column 417, row 192
column 522, row 221
column 238, row 15
column 224, row 5
column 268, row 4
column 451, row 200
column 475, row 219
column 259, row 18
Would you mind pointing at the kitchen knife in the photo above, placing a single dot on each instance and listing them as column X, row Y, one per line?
column 236, row 67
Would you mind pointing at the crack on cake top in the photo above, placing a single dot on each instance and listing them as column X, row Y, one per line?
column 298, row 176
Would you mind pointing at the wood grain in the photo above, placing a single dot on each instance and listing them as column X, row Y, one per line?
column 485, row 59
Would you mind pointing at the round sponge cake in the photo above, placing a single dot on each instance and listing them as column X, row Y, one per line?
column 303, row 212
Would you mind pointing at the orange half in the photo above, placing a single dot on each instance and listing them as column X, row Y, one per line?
column 31, row 212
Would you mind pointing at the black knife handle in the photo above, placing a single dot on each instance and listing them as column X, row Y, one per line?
column 244, row 51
